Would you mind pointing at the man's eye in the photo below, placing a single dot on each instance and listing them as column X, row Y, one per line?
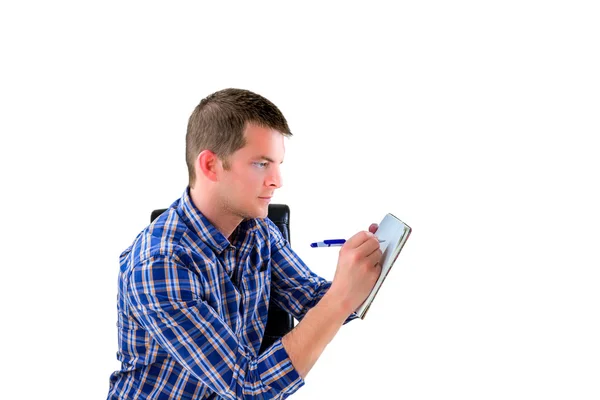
column 262, row 164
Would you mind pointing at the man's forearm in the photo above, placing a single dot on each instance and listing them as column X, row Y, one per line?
column 306, row 342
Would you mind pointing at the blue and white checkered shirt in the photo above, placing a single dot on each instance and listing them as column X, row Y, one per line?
column 192, row 309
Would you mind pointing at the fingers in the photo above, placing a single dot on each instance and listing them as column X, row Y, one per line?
column 369, row 246
column 358, row 239
column 374, row 257
column 361, row 236
column 365, row 244
column 367, row 252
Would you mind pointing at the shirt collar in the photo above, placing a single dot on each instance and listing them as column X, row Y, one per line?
column 205, row 230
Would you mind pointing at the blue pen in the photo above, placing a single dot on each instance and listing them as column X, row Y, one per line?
column 332, row 243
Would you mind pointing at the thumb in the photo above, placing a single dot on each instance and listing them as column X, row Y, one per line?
column 373, row 228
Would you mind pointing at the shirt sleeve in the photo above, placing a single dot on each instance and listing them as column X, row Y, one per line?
column 166, row 299
column 295, row 288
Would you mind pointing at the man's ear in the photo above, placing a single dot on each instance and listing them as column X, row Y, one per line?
column 209, row 165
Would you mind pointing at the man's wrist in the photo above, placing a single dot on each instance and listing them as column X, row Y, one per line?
column 339, row 308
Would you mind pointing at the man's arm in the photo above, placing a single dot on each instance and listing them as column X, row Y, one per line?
column 166, row 298
column 295, row 288
column 356, row 274
column 307, row 341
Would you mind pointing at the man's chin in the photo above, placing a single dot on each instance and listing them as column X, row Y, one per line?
column 263, row 212
column 260, row 212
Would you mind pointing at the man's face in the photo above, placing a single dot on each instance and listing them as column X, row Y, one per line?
column 254, row 174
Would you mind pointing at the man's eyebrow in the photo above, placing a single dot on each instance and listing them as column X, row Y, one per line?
column 268, row 159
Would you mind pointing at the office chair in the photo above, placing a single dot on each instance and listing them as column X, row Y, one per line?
column 279, row 322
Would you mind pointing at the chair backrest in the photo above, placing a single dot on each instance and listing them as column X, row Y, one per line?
column 279, row 322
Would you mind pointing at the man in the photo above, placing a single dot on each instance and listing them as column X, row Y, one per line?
column 195, row 285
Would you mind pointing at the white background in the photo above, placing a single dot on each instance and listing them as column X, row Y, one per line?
column 474, row 122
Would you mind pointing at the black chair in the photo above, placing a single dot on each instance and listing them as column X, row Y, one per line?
column 279, row 322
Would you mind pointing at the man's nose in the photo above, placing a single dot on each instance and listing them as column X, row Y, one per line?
column 275, row 178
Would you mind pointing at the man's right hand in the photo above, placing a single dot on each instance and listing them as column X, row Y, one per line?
column 356, row 274
column 357, row 270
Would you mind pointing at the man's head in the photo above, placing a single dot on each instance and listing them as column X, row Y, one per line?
column 234, row 145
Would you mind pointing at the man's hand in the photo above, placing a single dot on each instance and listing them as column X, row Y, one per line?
column 355, row 276
column 358, row 269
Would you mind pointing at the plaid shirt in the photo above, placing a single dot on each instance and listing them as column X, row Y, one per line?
column 192, row 309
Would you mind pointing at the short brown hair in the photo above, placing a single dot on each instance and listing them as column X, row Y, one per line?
column 218, row 122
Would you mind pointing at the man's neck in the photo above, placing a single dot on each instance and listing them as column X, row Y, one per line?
column 214, row 212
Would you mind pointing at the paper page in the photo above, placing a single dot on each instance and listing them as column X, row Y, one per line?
column 395, row 233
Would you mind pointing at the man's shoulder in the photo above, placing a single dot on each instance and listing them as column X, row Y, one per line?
column 270, row 232
column 163, row 237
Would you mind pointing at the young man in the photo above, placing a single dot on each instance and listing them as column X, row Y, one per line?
column 195, row 285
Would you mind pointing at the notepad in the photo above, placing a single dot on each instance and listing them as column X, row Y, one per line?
column 394, row 233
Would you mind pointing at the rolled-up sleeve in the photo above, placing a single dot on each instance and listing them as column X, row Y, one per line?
column 167, row 300
column 295, row 288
